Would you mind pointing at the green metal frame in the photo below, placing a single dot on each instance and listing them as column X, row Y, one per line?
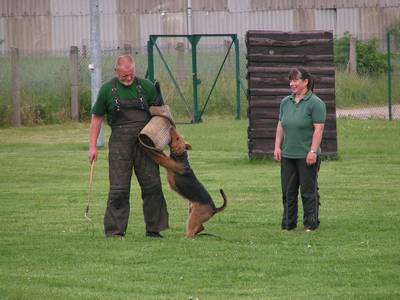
column 194, row 40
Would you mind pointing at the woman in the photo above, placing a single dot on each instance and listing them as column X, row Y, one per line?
column 297, row 146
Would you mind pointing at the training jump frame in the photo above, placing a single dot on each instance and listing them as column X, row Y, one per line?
column 194, row 40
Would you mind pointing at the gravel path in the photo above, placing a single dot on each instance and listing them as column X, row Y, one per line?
column 381, row 112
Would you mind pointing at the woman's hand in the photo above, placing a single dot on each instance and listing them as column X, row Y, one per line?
column 311, row 158
column 277, row 154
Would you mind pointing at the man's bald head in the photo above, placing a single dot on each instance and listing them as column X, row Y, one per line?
column 125, row 69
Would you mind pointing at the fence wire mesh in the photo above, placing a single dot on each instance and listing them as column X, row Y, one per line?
column 45, row 86
column 364, row 93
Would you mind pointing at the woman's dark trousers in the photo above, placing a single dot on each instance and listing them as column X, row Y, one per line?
column 296, row 174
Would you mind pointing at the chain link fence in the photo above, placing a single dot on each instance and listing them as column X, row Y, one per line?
column 366, row 76
column 45, row 85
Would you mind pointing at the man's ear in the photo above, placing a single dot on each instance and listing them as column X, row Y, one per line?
column 188, row 147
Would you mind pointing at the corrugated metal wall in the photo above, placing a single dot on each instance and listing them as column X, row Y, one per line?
column 26, row 24
column 390, row 16
column 326, row 19
column 239, row 6
column 57, row 24
column 240, row 22
column 12, row 8
column 71, row 24
column 348, row 20
column 371, row 22
column 29, row 33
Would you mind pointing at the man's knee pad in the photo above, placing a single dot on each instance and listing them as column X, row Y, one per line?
column 118, row 196
column 150, row 187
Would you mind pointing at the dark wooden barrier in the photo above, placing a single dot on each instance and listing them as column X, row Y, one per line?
column 270, row 57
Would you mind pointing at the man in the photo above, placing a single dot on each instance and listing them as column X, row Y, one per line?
column 126, row 100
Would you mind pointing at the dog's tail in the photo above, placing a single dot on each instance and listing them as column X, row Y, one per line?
column 163, row 160
column 219, row 209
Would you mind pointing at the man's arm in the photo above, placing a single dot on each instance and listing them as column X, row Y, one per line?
column 95, row 126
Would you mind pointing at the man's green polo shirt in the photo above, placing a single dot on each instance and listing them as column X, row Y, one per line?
column 298, row 122
column 105, row 103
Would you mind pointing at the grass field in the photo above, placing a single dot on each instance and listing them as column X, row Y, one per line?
column 48, row 250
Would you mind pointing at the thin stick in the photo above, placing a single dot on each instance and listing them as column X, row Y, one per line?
column 89, row 191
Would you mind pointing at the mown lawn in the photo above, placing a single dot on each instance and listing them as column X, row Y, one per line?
column 48, row 250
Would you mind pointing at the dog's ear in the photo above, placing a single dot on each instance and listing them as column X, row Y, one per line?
column 188, row 146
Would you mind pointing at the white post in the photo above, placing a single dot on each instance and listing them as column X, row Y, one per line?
column 95, row 57
column 353, row 55
column 189, row 17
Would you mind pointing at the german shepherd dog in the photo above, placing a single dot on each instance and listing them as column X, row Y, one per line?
column 186, row 184
column 183, row 181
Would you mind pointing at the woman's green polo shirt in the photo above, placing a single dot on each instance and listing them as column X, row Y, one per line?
column 105, row 103
column 298, row 121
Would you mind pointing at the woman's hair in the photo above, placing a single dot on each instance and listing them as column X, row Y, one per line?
column 301, row 73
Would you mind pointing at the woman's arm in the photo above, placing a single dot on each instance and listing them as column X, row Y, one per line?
column 315, row 142
column 278, row 142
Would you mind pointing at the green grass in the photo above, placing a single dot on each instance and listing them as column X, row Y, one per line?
column 353, row 90
column 48, row 250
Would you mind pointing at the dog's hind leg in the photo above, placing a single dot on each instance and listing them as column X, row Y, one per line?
column 198, row 216
column 199, row 229
column 193, row 225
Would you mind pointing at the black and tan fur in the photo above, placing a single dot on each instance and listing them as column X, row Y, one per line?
column 163, row 160
column 186, row 184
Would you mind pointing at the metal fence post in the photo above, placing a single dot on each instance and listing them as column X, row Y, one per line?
column 16, row 86
column 150, row 59
column 389, row 73
column 194, row 40
column 74, row 77
column 236, row 42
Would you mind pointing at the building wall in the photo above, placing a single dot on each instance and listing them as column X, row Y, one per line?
column 348, row 20
column 55, row 25
column 326, row 19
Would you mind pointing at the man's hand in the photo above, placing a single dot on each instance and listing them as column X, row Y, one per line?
column 92, row 154
column 95, row 126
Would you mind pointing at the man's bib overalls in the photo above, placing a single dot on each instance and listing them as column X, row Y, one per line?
column 125, row 155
